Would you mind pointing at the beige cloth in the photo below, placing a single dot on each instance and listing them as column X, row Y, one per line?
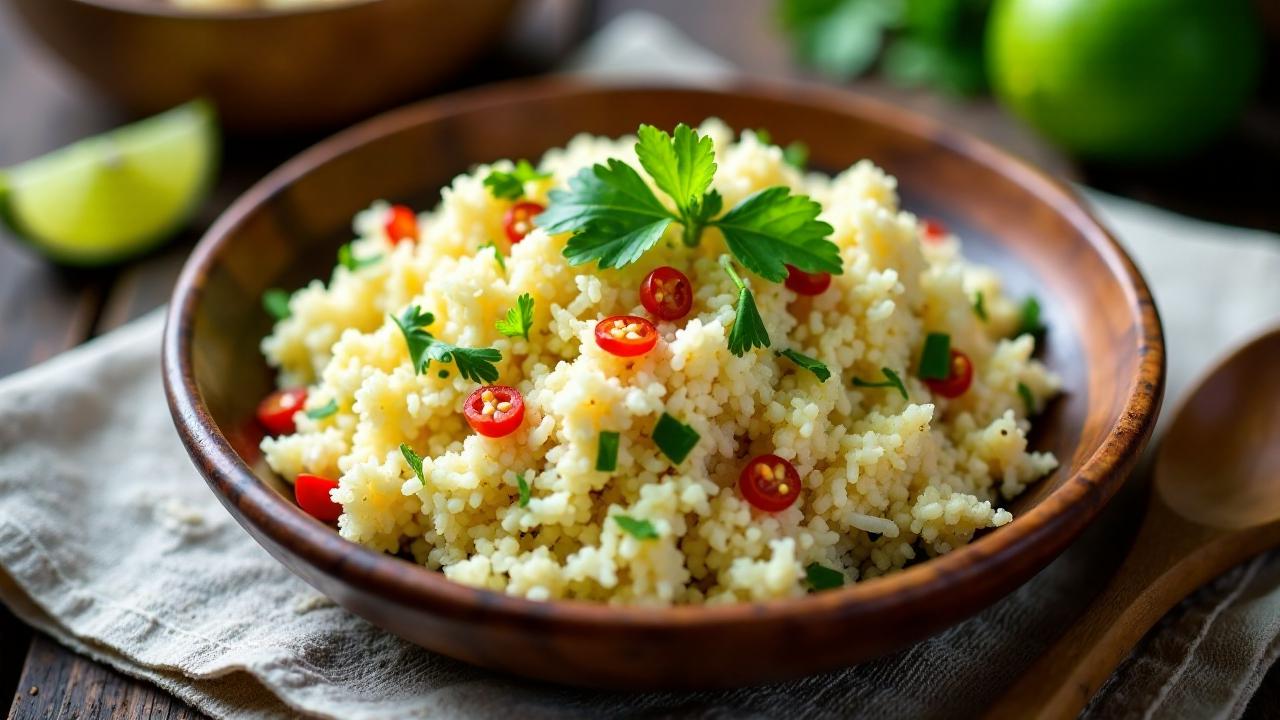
column 111, row 543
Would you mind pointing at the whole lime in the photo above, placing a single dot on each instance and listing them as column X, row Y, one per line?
column 1125, row 80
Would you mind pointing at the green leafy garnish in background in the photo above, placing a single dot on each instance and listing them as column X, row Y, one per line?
column 1028, row 399
column 348, row 260
column 1029, row 322
column 980, row 306
column 510, row 185
column 938, row 43
column 276, row 302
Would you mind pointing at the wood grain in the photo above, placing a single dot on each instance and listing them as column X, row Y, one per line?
column 1105, row 339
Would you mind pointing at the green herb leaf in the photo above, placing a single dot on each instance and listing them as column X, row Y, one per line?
column 442, row 374
column 840, row 38
column 980, row 307
column 1029, row 317
column 414, row 460
column 796, row 155
column 1028, row 399
column 772, row 229
column 812, row 365
column 674, row 438
column 681, row 166
column 892, row 381
column 638, row 529
column 607, row 451
column 348, row 260
column 497, row 254
column 523, row 486
column 474, row 364
column 748, row 329
column 821, row 577
column 519, row 318
column 323, row 411
column 276, row 302
column 510, row 185
column 613, row 214
column 935, row 359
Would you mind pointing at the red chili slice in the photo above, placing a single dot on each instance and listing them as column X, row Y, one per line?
column 626, row 335
column 312, row 494
column 402, row 224
column 805, row 283
column 667, row 293
column 958, row 381
column 494, row 410
column 770, row 483
column 518, row 221
column 934, row 230
column 276, row 411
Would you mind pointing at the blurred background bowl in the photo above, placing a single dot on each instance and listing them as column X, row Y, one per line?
column 268, row 71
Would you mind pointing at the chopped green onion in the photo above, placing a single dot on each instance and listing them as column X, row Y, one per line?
column 674, row 438
column 607, row 451
column 980, row 307
column 276, row 302
column 821, row 577
column 638, row 529
column 1029, row 317
column 523, row 486
column 817, row 367
column 1027, row 398
column 323, row 412
column 414, row 460
column 935, row 359
column 892, row 381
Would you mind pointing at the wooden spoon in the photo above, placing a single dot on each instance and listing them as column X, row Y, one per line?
column 1216, row 503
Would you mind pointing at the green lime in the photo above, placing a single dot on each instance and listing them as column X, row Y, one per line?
column 1125, row 80
column 115, row 195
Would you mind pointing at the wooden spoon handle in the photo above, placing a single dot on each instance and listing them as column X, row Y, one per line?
column 1170, row 558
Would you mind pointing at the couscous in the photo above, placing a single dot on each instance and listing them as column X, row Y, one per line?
column 672, row 369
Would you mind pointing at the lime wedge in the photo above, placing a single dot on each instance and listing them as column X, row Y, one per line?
column 115, row 195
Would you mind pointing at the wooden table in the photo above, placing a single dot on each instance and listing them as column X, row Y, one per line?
column 45, row 310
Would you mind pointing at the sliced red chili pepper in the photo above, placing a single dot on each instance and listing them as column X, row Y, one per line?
column 958, row 381
column 276, row 411
column 494, row 410
column 518, row 221
column 402, row 224
column 667, row 293
column 934, row 230
column 312, row 494
column 805, row 283
column 626, row 335
column 770, row 483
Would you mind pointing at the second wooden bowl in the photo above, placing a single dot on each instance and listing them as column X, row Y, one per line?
column 1104, row 339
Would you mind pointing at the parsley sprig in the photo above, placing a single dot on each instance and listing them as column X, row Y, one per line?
column 519, row 319
column 474, row 364
column 813, row 365
column 615, row 217
column 748, row 329
column 510, row 185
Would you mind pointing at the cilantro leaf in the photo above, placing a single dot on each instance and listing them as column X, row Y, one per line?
column 772, row 229
column 681, row 166
column 414, row 460
column 748, row 329
column 348, row 260
column 892, row 381
column 613, row 214
column 474, row 364
column 522, row 486
column 276, row 302
column 519, row 319
column 821, row 577
column 638, row 529
column 323, row 411
column 510, row 185
column 813, row 365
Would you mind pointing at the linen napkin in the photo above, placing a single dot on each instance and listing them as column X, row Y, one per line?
column 111, row 543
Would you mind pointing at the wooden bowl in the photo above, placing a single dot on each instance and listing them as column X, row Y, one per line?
column 268, row 70
column 1104, row 339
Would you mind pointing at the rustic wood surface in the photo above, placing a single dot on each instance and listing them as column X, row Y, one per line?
column 44, row 310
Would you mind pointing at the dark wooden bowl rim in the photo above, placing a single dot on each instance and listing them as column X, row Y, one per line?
column 1041, row 532
column 160, row 8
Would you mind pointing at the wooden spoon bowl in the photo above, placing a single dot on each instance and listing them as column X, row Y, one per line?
column 1104, row 338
